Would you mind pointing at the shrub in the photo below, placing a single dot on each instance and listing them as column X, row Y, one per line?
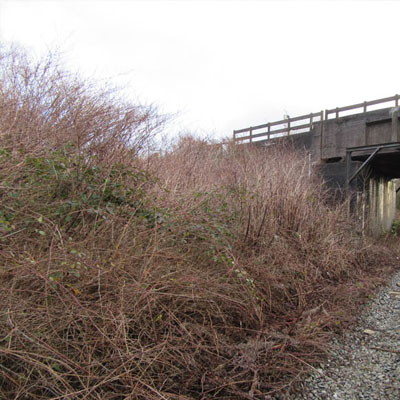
column 44, row 107
column 204, row 272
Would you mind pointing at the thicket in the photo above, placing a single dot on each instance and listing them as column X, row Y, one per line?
column 204, row 271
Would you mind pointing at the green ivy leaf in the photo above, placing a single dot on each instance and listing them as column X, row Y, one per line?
column 56, row 276
column 75, row 273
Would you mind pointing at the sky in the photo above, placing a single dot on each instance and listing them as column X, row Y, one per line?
column 220, row 65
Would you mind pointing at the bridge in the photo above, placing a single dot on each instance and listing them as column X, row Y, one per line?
column 356, row 148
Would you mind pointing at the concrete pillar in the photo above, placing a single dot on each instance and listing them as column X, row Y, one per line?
column 382, row 205
column 397, row 187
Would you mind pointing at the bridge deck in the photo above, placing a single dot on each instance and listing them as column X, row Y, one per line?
column 385, row 164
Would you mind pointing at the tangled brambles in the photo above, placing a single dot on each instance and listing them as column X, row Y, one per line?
column 204, row 272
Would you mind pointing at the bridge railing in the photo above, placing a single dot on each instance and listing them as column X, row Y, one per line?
column 304, row 123
column 362, row 106
column 272, row 130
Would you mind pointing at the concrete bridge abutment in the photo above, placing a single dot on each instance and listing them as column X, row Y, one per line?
column 358, row 155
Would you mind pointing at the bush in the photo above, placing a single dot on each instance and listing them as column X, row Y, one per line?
column 44, row 107
column 203, row 272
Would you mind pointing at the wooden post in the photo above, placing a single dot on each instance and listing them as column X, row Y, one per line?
column 269, row 131
column 397, row 100
column 251, row 133
column 288, row 127
column 311, row 121
column 365, row 106
column 337, row 112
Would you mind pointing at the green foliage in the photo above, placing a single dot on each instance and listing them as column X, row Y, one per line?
column 395, row 229
column 70, row 193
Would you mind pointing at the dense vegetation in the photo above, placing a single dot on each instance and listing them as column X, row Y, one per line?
column 200, row 272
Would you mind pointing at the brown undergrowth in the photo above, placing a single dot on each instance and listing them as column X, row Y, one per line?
column 203, row 272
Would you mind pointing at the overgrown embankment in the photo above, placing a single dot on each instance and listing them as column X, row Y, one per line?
column 199, row 273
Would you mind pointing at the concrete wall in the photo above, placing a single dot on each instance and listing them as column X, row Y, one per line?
column 369, row 128
column 338, row 134
column 309, row 141
column 300, row 141
column 334, row 175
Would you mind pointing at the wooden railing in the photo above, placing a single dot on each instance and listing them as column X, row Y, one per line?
column 303, row 123
column 284, row 127
column 364, row 105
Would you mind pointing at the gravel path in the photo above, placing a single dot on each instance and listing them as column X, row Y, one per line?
column 365, row 363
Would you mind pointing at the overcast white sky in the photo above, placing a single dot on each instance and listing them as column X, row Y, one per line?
column 223, row 65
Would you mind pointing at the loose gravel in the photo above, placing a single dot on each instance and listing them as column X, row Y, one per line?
column 364, row 364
